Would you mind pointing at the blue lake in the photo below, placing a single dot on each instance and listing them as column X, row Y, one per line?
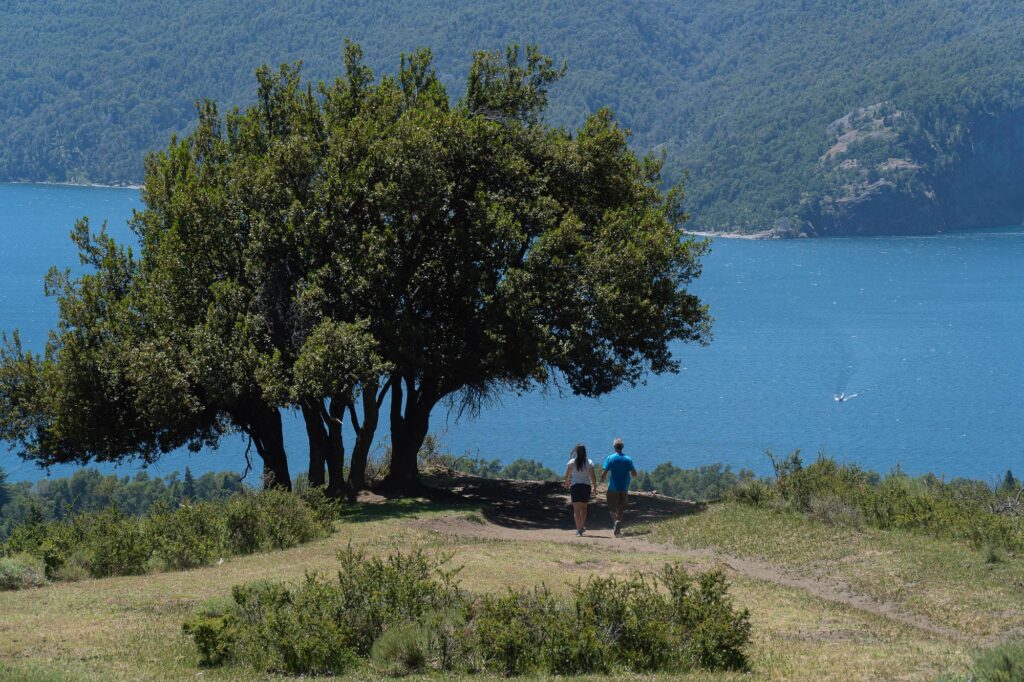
column 928, row 332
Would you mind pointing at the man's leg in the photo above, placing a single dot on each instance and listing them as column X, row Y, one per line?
column 621, row 500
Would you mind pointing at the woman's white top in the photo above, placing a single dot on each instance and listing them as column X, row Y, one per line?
column 580, row 475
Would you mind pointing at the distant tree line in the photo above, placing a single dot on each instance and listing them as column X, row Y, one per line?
column 739, row 92
column 88, row 490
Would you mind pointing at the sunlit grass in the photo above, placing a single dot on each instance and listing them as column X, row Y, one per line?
column 130, row 627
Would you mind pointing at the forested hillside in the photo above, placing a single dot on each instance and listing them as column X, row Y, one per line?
column 805, row 115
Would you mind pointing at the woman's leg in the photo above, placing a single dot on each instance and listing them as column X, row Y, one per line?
column 579, row 513
column 583, row 515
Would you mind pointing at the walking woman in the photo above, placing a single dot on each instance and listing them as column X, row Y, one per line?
column 581, row 480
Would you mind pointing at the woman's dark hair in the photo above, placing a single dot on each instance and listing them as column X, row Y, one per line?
column 580, row 451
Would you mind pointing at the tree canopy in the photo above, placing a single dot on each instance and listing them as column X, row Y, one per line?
column 338, row 246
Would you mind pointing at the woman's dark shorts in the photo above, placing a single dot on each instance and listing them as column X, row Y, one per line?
column 580, row 492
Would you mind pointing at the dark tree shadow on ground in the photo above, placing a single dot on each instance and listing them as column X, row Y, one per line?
column 545, row 505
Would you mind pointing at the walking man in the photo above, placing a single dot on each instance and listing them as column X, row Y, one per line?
column 621, row 468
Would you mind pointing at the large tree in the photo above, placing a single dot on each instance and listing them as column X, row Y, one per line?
column 363, row 243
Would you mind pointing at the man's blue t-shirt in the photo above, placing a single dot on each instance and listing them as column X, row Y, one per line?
column 618, row 467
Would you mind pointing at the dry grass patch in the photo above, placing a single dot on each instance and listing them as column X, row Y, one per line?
column 947, row 582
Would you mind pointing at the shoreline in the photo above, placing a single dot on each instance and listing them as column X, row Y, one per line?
column 53, row 183
column 762, row 235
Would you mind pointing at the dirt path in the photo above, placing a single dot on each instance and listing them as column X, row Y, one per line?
column 537, row 512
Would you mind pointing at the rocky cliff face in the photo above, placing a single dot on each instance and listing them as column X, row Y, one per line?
column 892, row 173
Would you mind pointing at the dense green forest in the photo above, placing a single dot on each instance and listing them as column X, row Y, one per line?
column 87, row 490
column 803, row 115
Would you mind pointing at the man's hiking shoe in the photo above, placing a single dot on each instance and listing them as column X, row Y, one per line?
column 617, row 530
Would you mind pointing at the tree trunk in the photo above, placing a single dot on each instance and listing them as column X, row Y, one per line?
column 317, row 436
column 408, row 430
column 365, row 432
column 269, row 439
column 335, row 450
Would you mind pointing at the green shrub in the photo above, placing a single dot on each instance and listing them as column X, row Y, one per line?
column 399, row 588
column 189, row 536
column 844, row 494
column 214, row 629
column 326, row 510
column 20, row 571
column 113, row 545
column 755, row 493
column 107, row 543
column 407, row 614
column 634, row 616
column 717, row 633
column 1004, row 663
column 297, row 631
column 325, row 626
column 835, row 511
column 527, row 470
column 510, row 630
column 272, row 519
column 402, row 649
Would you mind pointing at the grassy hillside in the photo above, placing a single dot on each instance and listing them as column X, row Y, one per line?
column 826, row 601
column 808, row 115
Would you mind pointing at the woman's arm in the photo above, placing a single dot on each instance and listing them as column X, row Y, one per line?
column 593, row 477
column 568, row 474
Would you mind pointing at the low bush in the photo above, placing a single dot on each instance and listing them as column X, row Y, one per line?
column 273, row 519
column 108, row 543
column 20, row 571
column 112, row 544
column 406, row 613
column 192, row 535
column 835, row 511
column 846, row 495
column 402, row 649
column 1004, row 663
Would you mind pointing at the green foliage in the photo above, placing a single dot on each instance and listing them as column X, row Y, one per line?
column 87, row 490
column 527, row 470
column 360, row 238
column 406, row 613
column 738, row 91
column 322, row 626
column 105, row 543
column 112, row 544
column 402, row 649
column 706, row 482
column 845, row 494
column 1003, row 663
column 431, row 456
column 616, row 624
column 5, row 490
column 272, row 519
column 213, row 636
column 20, row 571
column 517, row 470
column 194, row 534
